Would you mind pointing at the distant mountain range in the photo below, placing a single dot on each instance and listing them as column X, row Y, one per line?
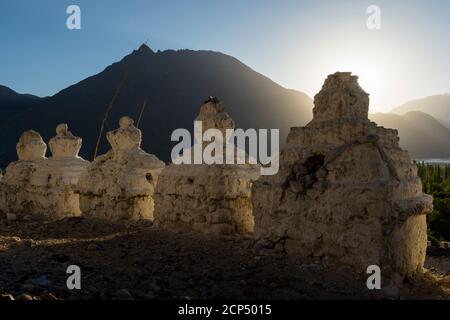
column 421, row 134
column 437, row 106
column 13, row 103
column 175, row 84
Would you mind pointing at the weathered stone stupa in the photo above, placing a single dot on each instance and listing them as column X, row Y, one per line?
column 119, row 185
column 16, row 192
column 345, row 191
column 38, row 187
column 207, row 198
column 56, row 179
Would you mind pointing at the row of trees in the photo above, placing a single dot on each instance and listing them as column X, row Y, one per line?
column 435, row 178
column 436, row 182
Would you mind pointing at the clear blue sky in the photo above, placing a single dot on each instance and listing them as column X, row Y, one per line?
column 296, row 43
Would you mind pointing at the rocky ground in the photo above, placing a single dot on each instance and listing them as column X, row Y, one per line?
column 139, row 261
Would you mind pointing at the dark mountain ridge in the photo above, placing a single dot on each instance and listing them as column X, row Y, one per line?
column 175, row 84
column 13, row 103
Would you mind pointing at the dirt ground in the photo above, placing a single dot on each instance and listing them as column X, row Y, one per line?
column 138, row 261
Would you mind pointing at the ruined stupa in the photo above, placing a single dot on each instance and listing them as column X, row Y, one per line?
column 56, row 179
column 119, row 185
column 207, row 198
column 39, row 188
column 16, row 191
column 346, row 192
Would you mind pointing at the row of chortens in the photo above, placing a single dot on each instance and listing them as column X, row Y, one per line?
column 345, row 193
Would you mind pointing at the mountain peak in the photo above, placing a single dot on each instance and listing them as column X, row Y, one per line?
column 6, row 90
column 176, row 82
column 144, row 48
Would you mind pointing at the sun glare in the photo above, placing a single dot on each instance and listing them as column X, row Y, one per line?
column 370, row 79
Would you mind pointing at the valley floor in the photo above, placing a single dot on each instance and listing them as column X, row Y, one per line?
column 138, row 261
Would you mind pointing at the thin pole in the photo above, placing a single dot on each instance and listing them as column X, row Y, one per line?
column 142, row 112
column 109, row 108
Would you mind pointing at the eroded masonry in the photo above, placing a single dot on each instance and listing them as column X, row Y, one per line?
column 119, row 185
column 207, row 198
column 346, row 192
column 36, row 187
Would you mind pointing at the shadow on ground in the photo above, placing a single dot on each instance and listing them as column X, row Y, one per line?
column 138, row 261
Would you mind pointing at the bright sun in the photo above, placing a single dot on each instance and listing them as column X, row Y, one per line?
column 370, row 79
